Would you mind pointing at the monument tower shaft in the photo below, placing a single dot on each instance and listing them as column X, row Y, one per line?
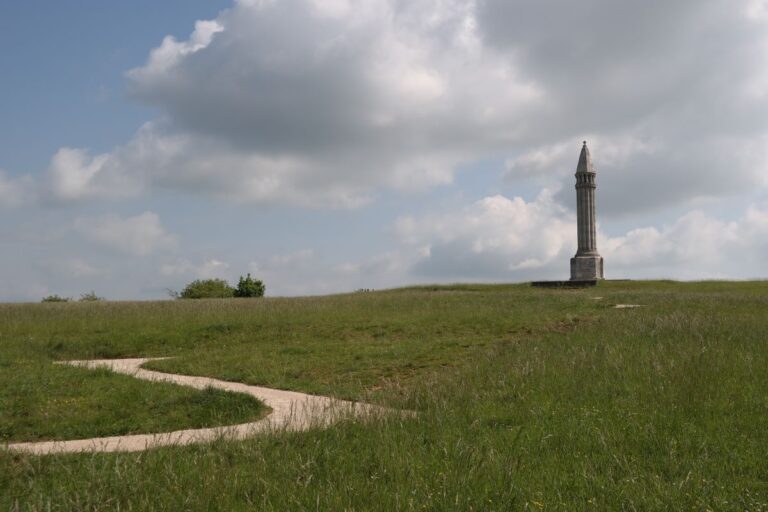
column 587, row 264
column 585, row 215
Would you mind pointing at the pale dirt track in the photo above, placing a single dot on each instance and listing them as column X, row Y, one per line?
column 291, row 411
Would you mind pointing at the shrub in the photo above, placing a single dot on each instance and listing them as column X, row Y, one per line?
column 249, row 287
column 207, row 289
column 90, row 297
column 56, row 298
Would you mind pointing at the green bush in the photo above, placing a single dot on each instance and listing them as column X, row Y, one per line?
column 90, row 297
column 207, row 289
column 249, row 287
column 56, row 298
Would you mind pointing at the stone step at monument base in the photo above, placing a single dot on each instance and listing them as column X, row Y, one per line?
column 579, row 283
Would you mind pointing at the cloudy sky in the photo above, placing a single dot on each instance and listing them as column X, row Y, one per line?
column 331, row 145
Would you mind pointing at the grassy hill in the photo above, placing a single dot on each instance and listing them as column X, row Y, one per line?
column 528, row 399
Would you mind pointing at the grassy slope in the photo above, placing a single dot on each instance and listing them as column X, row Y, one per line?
column 528, row 399
column 43, row 401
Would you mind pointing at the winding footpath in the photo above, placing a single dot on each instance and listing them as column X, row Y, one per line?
column 291, row 411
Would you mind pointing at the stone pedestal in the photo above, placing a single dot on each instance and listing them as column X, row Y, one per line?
column 586, row 267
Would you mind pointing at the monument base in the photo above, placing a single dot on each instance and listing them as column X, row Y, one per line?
column 565, row 284
column 586, row 267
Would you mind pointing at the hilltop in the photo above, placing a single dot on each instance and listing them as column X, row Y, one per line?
column 527, row 399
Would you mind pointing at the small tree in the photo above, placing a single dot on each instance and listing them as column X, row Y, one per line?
column 249, row 287
column 207, row 289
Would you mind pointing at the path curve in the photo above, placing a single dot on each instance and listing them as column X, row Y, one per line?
column 291, row 411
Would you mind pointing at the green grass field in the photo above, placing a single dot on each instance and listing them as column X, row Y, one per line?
column 528, row 399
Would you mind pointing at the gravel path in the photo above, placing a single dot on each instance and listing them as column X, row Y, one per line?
column 291, row 411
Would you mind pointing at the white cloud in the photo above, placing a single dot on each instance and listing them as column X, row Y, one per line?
column 509, row 239
column 293, row 258
column 140, row 235
column 312, row 103
column 305, row 272
column 695, row 246
column 299, row 272
column 163, row 59
column 73, row 171
column 209, row 269
column 74, row 174
column 78, row 267
column 756, row 9
column 323, row 103
column 493, row 237
column 642, row 173
column 678, row 80
column 560, row 158
column 15, row 191
column 498, row 238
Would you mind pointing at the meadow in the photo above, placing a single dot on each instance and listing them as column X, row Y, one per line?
column 527, row 399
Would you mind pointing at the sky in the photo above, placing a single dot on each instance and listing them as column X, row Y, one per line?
column 330, row 145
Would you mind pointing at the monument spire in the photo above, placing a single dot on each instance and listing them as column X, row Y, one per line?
column 585, row 161
column 587, row 264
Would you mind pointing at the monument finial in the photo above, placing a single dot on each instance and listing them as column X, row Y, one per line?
column 585, row 161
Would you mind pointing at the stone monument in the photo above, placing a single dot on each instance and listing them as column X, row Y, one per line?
column 587, row 264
